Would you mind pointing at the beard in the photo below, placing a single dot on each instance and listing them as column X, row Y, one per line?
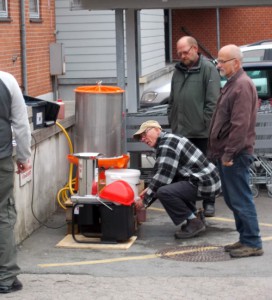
column 222, row 73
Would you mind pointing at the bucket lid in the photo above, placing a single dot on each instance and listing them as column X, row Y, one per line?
column 123, row 172
column 99, row 89
column 118, row 191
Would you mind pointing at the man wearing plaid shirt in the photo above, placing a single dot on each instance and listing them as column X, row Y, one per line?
column 182, row 175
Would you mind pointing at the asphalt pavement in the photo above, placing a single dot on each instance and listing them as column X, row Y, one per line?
column 156, row 266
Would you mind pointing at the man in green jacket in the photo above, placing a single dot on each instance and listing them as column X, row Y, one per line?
column 195, row 89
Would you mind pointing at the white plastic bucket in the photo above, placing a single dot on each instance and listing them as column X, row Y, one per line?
column 131, row 176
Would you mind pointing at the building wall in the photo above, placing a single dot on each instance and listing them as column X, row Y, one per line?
column 10, row 42
column 37, row 199
column 38, row 35
column 152, row 40
column 247, row 25
column 89, row 39
column 237, row 26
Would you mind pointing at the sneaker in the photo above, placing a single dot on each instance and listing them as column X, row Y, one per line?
column 16, row 286
column 192, row 228
column 246, row 251
column 234, row 246
column 209, row 210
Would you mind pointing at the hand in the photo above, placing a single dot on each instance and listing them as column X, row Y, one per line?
column 23, row 167
column 227, row 163
column 139, row 204
column 143, row 193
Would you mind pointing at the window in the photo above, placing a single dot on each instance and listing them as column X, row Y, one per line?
column 3, row 9
column 253, row 55
column 262, row 79
column 34, row 9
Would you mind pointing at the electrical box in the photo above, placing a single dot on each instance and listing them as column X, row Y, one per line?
column 57, row 59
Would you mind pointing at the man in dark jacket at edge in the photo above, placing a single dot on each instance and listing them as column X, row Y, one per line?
column 182, row 175
column 195, row 89
column 13, row 113
column 231, row 141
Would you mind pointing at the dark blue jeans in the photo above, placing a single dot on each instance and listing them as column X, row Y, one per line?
column 239, row 199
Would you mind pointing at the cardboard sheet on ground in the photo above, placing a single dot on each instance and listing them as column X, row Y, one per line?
column 69, row 242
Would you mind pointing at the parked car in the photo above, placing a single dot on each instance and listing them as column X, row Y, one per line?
column 157, row 96
column 262, row 42
column 260, row 72
column 257, row 52
column 261, row 75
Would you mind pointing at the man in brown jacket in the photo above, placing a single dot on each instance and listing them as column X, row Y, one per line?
column 232, row 136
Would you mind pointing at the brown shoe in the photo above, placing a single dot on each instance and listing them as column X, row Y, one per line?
column 200, row 215
column 192, row 228
column 246, row 251
column 234, row 246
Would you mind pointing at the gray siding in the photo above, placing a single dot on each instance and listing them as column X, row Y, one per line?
column 152, row 41
column 89, row 41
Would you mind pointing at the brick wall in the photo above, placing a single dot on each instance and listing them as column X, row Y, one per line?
column 237, row 26
column 10, row 42
column 39, row 35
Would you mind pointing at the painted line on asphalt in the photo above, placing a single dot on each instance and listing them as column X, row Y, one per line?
column 156, row 209
column 232, row 220
column 144, row 257
column 212, row 218
column 113, row 260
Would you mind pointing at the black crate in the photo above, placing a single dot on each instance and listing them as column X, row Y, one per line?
column 51, row 110
column 38, row 112
column 118, row 224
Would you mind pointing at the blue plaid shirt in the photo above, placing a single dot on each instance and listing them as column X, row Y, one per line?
column 177, row 159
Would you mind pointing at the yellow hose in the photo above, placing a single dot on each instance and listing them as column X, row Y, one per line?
column 68, row 190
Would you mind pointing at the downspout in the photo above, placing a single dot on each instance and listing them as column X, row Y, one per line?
column 23, row 47
column 218, row 28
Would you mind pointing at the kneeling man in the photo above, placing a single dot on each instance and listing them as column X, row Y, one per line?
column 182, row 175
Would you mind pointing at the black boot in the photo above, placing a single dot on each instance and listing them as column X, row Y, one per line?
column 209, row 209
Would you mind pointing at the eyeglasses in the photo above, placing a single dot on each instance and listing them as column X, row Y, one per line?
column 220, row 61
column 184, row 53
column 143, row 135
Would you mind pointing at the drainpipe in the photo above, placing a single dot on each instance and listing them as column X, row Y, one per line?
column 218, row 28
column 23, row 47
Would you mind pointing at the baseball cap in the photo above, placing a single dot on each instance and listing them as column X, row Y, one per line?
column 144, row 126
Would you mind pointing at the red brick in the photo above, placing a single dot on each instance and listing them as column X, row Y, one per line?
column 38, row 38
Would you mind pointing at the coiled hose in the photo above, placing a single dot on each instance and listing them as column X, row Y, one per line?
column 69, row 189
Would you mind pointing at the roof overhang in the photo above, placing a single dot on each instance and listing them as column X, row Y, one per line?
column 162, row 4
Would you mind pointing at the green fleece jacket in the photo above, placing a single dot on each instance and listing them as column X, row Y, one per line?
column 193, row 98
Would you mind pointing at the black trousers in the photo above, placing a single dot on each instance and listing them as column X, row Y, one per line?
column 202, row 145
column 178, row 199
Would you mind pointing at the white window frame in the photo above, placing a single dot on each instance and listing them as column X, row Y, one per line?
column 34, row 14
column 4, row 9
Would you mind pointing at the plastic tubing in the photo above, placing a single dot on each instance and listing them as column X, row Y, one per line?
column 63, row 195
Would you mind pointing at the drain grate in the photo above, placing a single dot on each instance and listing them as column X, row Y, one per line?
column 203, row 253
